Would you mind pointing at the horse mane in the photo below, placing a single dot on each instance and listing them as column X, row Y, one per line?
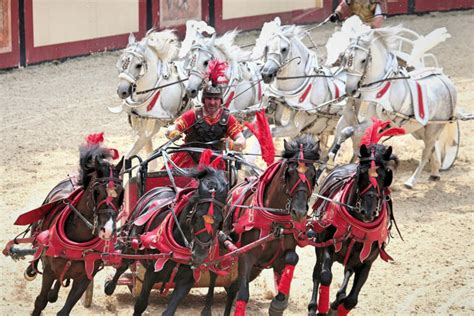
column 225, row 44
column 165, row 43
column 87, row 155
column 290, row 31
column 310, row 148
column 388, row 36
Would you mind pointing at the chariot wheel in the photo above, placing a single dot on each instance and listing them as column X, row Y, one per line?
column 447, row 146
column 87, row 296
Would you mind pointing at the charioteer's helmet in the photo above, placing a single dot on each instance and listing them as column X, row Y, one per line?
column 213, row 87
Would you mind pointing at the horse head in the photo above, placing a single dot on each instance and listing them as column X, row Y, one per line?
column 300, row 173
column 280, row 49
column 140, row 65
column 206, row 216
column 203, row 51
column 374, row 174
column 103, row 188
column 368, row 57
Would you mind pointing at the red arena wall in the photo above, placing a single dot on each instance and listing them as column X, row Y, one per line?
column 34, row 31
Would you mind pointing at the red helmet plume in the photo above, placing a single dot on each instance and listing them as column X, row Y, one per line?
column 216, row 72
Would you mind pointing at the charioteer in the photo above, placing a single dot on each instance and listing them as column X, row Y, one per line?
column 371, row 12
column 208, row 126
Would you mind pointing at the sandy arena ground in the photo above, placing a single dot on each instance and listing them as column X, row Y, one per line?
column 47, row 110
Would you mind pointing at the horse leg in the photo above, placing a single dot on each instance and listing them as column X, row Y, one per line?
column 53, row 293
column 79, row 286
column 246, row 262
column 280, row 302
column 182, row 288
column 431, row 134
column 149, row 281
column 207, row 310
column 42, row 299
column 231, row 294
column 110, row 285
column 313, row 303
column 435, row 165
column 326, row 279
column 350, row 301
column 341, row 294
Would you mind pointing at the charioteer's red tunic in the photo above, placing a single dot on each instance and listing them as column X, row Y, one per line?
column 203, row 129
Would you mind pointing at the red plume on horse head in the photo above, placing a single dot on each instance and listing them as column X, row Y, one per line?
column 379, row 129
column 205, row 161
column 98, row 139
column 216, row 72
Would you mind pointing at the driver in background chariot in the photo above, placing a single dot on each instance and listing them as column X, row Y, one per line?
column 371, row 12
column 210, row 125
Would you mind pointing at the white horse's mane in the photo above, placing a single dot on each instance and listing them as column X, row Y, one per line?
column 269, row 30
column 387, row 36
column 225, row 44
column 165, row 44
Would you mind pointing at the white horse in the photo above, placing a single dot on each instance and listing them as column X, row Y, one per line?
column 299, row 89
column 423, row 103
column 145, row 66
column 244, row 88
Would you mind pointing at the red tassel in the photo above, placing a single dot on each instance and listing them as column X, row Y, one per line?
column 262, row 132
column 205, row 159
column 285, row 280
column 114, row 152
column 240, row 307
column 93, row 139
column 342, row 311
column 323, row 303
column 218, row 163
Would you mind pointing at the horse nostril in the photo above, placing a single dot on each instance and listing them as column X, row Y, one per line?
column 354, row 91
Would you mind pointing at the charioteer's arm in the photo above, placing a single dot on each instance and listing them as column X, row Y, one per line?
column 234, row 131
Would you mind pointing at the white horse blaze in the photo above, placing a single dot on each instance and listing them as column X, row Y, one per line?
column 107, row 231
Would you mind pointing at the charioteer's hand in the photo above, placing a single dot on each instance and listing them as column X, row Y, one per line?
column 172, row 134
column 334, row 17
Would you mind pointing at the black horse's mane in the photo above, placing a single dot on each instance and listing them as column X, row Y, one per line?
column 87, row 155
column 310, row 148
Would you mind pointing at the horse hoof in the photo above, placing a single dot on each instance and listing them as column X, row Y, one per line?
column 408, row 186
column 435, row 178
column 52, row 296
column 277, row 307
column 109, row 287
column 30, row 274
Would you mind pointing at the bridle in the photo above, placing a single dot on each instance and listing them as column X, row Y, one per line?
column 111, row 208
column 124, row 68
column 279, row 60
column 208, row 220
column 349, row 65
column 372, row 187
column 302, row 178
column 192, row 69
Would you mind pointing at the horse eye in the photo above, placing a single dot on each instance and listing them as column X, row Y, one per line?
column 363, row 61
column 206, row 63
column 283, row 50
column 138, row 66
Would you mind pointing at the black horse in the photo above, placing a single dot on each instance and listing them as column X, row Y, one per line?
column 282, row 192
column 355, row 239
column 198, row 221
column 96, row 209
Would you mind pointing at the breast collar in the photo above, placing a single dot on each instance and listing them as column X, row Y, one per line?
column 57, row 244
column 350, row 228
